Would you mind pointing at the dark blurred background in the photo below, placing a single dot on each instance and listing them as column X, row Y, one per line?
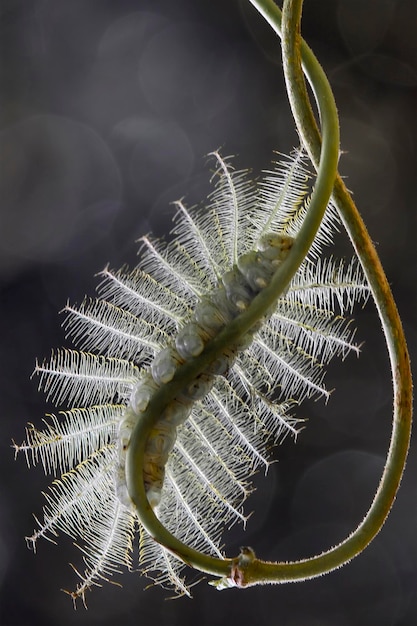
column 107, row 110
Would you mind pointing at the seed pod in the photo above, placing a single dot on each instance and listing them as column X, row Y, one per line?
column 177, row 412
column 209, row 316
column 161, row 440
column 256, row 269
column 142, row 393
column 238, row 292
column 275, row 246
column 189, row 341
column 198, row 388
column 164, row 366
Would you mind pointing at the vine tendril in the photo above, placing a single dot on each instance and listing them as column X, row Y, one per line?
column 247, row 569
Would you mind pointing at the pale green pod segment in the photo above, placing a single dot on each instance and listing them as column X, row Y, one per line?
column 220, row 366
column 161, row 440
column 121, row 487
column 238, row 293
column 209, row 316
column 275, row 246
column 142, row 393
column 198, row 388
column 126, row 426
column 164, row 366
column 189, row 341
column 177, row 412
column 153, row 478
column 125, row 429
column 256, row 270
column 153, row 495
column 225, row 308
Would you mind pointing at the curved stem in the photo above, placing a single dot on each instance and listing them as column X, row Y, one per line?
column 185, row 374
column 396, row 344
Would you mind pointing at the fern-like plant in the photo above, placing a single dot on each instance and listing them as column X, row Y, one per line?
column 205, row 350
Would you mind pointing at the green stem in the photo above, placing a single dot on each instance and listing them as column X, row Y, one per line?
column 187, row 373
column 396, row 344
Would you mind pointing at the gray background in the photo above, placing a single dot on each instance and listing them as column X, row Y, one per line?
column 107, row 110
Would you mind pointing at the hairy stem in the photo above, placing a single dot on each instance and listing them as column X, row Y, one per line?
column 400, row 365
column 185, row 374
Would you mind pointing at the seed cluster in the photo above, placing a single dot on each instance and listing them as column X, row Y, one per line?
column 235, row 292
